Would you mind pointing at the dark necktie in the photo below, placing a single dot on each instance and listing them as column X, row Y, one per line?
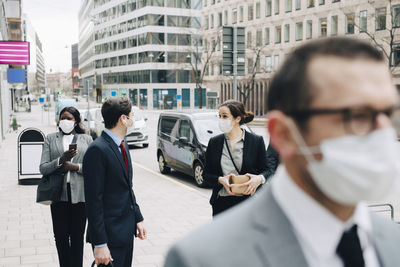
column 349, row 249
column 123, row 151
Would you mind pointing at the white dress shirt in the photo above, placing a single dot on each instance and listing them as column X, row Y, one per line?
column 317, row 229
column 67, row 140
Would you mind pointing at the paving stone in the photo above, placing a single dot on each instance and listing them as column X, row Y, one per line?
column 19, row 251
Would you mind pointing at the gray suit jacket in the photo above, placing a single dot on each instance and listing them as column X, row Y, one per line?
column 257, row 233
column 53, row 150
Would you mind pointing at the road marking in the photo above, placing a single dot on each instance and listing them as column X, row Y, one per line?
column 164, row 176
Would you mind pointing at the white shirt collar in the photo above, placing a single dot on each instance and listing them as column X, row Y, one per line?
column 313, row 224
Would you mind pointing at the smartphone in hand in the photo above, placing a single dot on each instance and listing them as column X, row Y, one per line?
column 73, row 146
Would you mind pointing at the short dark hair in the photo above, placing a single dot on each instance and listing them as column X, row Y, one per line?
column 237, row 110
column 113, row 109
column 290, row 89
column 77, row 116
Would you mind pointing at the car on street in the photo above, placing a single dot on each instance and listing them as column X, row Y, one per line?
column 138, row 135
column 182, row 139
column 91, row 119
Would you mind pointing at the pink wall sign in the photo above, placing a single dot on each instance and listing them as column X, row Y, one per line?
column 14, row 53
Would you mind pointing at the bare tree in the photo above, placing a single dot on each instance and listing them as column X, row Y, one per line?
column 200, row 60
column 249, row 81
column 386, row 43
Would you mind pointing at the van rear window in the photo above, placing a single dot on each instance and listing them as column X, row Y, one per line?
column 167, row 124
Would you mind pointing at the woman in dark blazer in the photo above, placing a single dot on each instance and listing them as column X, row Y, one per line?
column 235, row 152
column 68, row 214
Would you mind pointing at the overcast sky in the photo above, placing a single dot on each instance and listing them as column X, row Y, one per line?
column 56, row 23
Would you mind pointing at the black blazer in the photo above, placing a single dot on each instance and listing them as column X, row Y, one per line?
column 254, row 160
column 111, row 205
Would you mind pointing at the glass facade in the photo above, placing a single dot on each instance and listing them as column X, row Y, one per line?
column 185, row 97
column 197, row 97
column 164, row 98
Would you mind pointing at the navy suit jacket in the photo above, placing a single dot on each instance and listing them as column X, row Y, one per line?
column 111, row 205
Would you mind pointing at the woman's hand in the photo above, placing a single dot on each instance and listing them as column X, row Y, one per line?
column 68, row 155
column 69, row 166
column 253, row 183
column 225, row 181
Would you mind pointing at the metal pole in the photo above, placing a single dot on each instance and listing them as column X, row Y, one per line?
column 88, row 105
column 235, row 97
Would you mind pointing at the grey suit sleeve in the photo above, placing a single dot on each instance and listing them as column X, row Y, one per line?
column 175, row 258
column 47, row 166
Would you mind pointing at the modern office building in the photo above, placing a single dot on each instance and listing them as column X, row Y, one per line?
column 277, row 26
column 76, row 80
column 140, row 49
column 35, row 71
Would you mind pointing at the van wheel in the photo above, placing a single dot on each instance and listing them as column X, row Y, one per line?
column 198, row 174
column 162, row 165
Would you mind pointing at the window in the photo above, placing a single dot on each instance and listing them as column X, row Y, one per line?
column 249, row 37
column 220, row 19
column 334, row 25
column 276, row 62
column 299, row 31
column 206, row 26
column 288, row 5
column 258, row 11
column 186, row 131
column 287, row 33
column 278, row 34
column 225, row 17
column 298, row 4
column 250, row 65
column 396, row 16
column 212, row 21
column 250, row 12
column 168, row 127
column 259, row 37
column 323, row 27
column 380, row 18
column 266, row 40
column 321, row 2
column 310, row 3
column 268, row 64
column 395, row 60
column 350, row 23
column 241, row 14
column 276, row 7
column 234, row 16
column 212, row 2
column 363, row 21
column 205, row 3
column 309, row 29
column 268, row 8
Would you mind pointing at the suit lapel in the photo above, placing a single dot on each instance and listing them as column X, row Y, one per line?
column 275, row 241
column 246, row 145
column 219, row 147
column 59, row 143
column 117, row 153
column 384, row 243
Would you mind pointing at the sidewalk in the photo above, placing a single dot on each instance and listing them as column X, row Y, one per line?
column 26, row 236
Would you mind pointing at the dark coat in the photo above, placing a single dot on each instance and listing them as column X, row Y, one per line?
column 111, row 205
column 254, row 160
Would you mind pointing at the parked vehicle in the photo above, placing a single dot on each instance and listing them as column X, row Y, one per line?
column 92, row 119
column 139, row 135
column 182, row 139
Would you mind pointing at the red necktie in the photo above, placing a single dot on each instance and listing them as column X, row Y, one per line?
column 125, row 157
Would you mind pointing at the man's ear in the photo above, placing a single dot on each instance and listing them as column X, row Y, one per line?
column 280, row 135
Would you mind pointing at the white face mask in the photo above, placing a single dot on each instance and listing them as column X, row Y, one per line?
column 67, row 126
column 131, row 128
column 354, row 168
column 225, row 125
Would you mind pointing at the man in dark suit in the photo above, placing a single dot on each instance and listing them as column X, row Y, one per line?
column 114, row 217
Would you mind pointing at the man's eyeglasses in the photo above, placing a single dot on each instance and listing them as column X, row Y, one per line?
column 358, row 121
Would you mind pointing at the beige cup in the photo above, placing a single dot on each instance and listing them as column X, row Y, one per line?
column 236, row 182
